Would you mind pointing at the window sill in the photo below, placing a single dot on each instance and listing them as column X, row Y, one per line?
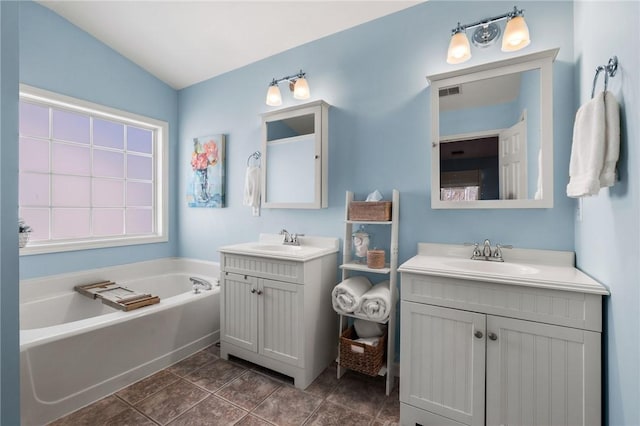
column 57, row 247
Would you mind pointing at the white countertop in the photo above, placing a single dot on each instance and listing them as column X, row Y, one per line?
column 533, row 268
column 271, row 246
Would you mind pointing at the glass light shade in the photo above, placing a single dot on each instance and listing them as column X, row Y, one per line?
column 301, row 89
column 516, row 35
column 273, row 96
column 459, row 49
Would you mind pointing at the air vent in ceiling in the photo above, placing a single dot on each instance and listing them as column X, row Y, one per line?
column 448, row 91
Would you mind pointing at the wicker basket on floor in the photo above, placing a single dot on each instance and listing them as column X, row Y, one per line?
column 361, row 357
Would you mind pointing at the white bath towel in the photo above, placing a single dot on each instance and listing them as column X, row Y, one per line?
column 251, row 196
column 367, row 329
column 612, row 139
column 376, row 303
column 346, row 296
column 596, row 146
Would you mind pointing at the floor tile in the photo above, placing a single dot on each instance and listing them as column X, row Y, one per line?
column 249, row 390
column 215, row 374
column 325, row 383
column 288, row 406
column 211, row 411
column 213, row 349
column 359, row 393
column 171, row 401
column 104, row 409
column 250, row 420
column 129, row 417
column 390, row 413
column 146, row 387
column 191, row 363
column 330, row 414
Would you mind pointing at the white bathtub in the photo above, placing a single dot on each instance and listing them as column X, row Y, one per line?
column 75, row 350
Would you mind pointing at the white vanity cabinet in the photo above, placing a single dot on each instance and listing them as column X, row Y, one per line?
column 277, row 313
column 476, row 352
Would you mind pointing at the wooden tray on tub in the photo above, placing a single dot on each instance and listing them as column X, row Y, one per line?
column 117, row 296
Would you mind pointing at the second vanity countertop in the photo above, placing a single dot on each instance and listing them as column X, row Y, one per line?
column 534, row 268
column 271, row 246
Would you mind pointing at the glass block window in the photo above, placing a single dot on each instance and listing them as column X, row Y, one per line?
column 89, row 176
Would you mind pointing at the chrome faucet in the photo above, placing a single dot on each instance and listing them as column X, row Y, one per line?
column 290, row 239
column 199, row 283
column 487, row 253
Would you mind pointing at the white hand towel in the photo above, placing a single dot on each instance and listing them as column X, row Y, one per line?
column 346, row 296
column 376, row 303
column 251, row 196
column 612, row 140
column 368, row 329
column 371, row 341
column 596, row 146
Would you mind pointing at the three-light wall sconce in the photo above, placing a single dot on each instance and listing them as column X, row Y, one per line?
column 297, row 84
column 516, row 35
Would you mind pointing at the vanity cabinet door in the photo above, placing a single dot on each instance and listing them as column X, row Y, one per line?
column 281, row 325
column 442, row 359
column 238, row 310
column 539, row 374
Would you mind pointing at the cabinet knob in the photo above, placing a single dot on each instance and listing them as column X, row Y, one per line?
column 253, row 290
column 259, row 292
column 478, row 334
column 493, row 336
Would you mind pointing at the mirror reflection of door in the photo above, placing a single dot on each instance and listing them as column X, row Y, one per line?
column 513, row 161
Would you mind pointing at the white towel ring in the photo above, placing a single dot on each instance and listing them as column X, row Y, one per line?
column 610, row 71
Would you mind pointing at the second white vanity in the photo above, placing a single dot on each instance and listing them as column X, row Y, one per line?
column 276, row 304
column 499, row 343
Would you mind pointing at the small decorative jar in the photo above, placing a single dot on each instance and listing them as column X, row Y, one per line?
column 361, row 241
column 375, row 259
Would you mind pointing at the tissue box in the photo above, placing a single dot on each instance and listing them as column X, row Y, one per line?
column 370, row 210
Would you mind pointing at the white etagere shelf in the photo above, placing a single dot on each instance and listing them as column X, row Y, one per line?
column 349, row 266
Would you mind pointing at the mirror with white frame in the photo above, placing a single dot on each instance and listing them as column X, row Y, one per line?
column 294, row 160
column 492, row 135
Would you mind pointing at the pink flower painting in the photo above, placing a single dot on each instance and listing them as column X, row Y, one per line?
column 206, row 186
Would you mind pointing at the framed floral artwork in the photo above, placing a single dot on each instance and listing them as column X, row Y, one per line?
column 206, row 188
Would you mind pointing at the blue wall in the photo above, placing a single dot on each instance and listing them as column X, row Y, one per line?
column 374, row 78
column 58, row 56
column 607, row 237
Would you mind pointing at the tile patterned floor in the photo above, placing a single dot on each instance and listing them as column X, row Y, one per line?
column 204, row 390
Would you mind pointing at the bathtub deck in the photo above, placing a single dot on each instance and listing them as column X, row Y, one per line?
column 205, row 389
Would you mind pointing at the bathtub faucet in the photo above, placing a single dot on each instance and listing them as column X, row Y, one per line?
column 199, row 283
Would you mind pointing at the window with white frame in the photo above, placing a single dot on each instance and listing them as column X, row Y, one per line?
column 89, row 176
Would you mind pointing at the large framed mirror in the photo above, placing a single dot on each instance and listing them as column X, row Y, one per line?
column 492, row 135
column 295, row 157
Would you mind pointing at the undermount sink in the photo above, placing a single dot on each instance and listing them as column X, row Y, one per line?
column 491, row 267
column 282, row 248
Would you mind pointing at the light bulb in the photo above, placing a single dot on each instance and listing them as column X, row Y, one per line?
column 459, row 49
column 301, row 89
column 516, row 35
column 273, row 96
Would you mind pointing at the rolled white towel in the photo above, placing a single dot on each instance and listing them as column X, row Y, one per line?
column 368, row 329
column 346, row 296
column 376, row 303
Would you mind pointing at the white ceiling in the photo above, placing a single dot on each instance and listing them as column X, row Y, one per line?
column 184, row 42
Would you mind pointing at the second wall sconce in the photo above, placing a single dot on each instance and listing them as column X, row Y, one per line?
column 516, row 35
column 297, row 84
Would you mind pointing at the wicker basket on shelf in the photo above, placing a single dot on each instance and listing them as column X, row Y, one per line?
column 370, row 210
column 359, row 356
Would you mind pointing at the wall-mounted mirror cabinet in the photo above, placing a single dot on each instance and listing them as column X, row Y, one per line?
column 295, row 157
column 492, row 135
